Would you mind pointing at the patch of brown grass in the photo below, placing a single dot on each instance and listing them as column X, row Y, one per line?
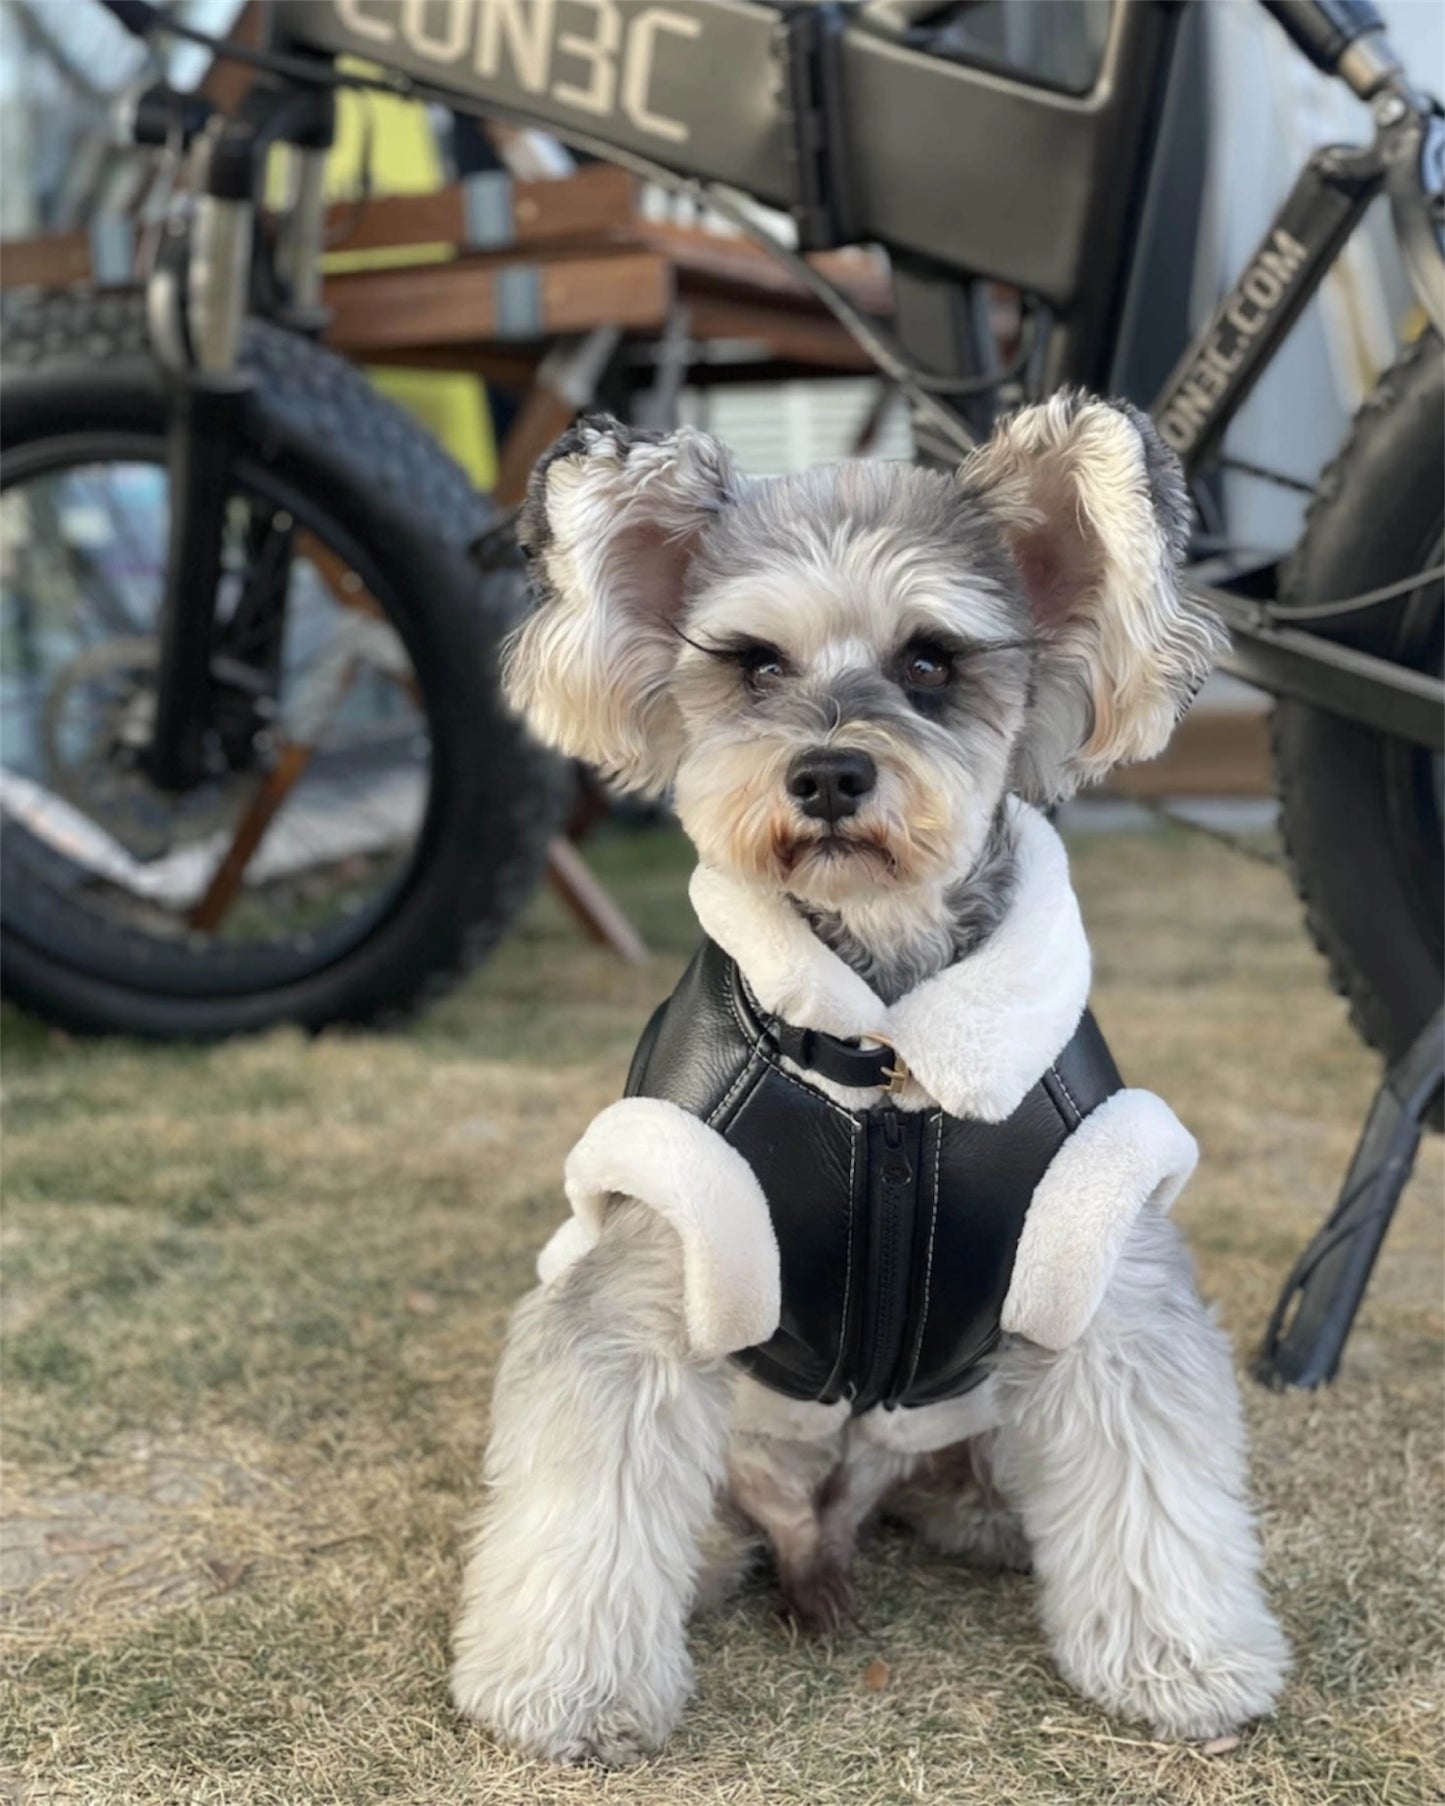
column 254, row 1297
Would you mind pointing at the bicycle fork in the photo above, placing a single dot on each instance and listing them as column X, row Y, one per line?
column 197, row 303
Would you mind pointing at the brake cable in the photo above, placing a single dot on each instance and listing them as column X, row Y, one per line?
column 1246, row 467
column 1349, row 605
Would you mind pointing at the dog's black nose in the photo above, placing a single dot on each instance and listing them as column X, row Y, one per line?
column 829, row 782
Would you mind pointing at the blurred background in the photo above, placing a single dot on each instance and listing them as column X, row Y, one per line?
column 734, row 346
column 692, row 325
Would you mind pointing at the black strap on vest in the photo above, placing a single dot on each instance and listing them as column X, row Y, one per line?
column 840, row 1062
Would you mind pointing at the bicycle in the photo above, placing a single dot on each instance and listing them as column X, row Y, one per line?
column 318, row 615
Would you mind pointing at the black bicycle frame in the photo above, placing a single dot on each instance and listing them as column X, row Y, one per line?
column 962, row 172
column 856, row 134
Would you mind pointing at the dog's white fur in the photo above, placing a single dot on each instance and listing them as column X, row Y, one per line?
column 1125, row 1456
column 608, row 1449
column 630, row 1466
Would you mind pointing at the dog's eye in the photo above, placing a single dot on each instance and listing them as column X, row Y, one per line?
column 926, row 668
column 763, row 666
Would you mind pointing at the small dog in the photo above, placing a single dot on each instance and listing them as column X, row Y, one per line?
column 855, row 681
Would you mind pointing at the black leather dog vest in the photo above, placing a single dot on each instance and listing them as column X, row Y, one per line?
column 897, row 1229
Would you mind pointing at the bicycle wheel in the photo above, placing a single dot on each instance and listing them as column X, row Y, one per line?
column 1362, row 811
column 370, row 818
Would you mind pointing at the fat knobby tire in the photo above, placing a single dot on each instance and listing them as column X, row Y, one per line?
column 1360, row 829
column 78, row 367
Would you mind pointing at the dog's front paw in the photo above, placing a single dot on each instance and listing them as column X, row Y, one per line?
column 614, row 1739
column 571, row 1719
column 1185, row 1696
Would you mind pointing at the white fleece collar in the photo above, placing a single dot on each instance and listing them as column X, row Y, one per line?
column 977, row 1036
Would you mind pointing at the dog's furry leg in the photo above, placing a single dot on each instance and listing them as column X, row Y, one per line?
column 607, row 1450
column 811, row 1499
column 728, row 1551
column 782, row 1486
column 953, row 1503
column 1125, row 1453
column 852, row 1496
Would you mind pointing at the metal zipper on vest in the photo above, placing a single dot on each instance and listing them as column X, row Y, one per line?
column 895, row 1144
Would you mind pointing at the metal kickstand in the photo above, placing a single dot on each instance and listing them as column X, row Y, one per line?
column 1312, row 1320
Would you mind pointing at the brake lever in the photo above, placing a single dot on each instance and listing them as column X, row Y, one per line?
column 1413, row 151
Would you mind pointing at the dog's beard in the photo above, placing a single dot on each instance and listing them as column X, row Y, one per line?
column 827, row 866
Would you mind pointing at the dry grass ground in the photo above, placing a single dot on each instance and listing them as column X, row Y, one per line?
column 254, row 1297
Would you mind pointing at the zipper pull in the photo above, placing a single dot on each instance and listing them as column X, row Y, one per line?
column 896, row 1164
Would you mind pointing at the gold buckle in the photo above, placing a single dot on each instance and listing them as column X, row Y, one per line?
column 897, row 1074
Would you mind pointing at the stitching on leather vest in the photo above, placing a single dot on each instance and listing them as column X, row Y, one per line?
column 1064, row 1087
column 752, row 1059
column 937, row 1125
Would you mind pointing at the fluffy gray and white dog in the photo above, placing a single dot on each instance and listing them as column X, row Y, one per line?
column 844, row 677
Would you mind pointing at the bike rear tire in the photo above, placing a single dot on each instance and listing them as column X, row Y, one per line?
column 1361, row 810
column 78, row 367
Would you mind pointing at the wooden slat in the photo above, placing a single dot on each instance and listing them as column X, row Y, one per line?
column 591, row 204
column 51, row 260
column 597, row 206
column 790, row 335
column 1215, row 752
column 737, row 263
column 457, row 303
column 633, row 290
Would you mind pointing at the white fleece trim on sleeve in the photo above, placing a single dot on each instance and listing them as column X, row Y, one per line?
column 1130, row 1154
column 651, row 1150
column 977, row 1036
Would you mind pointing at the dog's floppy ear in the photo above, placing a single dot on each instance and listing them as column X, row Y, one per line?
column 610, row 525
column 1093, row 507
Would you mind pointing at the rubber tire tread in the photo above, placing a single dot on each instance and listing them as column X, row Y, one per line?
column 79, row 362
column 1329, row 771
